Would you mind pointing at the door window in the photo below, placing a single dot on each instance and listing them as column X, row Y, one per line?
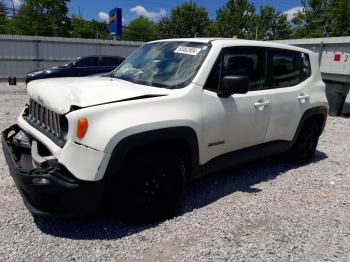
column 244, row 61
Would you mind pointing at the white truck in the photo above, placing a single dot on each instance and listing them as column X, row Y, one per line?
column 173, row 111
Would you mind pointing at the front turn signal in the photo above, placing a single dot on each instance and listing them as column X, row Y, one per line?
column 82, row 127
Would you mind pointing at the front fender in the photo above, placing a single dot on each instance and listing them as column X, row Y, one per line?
column 121, row 148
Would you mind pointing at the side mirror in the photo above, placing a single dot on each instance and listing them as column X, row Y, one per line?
column 235, row 84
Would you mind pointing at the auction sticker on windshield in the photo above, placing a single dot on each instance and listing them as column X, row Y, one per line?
column 187, row 50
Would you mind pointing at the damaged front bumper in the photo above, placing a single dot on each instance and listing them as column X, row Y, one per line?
column 47, row 188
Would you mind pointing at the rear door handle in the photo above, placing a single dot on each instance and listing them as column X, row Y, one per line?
column 260, row 105
column 302, row 97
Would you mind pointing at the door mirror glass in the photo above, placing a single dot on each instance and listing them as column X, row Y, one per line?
column 233, row 84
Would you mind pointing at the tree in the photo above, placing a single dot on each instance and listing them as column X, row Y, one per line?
column 237, row 18
column 140, row 29
column 42, row 17
column 338, row 14
column 3, row 14
column 272, row 24
column 312, row 21
column 2, row 10
column 212, row 29
column 186, row 20
column 3, row 18
column 81, row 28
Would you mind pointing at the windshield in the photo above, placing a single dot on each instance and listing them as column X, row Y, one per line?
column 164, row 64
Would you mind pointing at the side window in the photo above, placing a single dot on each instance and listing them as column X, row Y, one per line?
column 87, row 62
column 246, row 61
column 289, row 68
column 306, row 66
column 109, row 61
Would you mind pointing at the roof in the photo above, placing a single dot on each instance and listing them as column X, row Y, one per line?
column 226, row 42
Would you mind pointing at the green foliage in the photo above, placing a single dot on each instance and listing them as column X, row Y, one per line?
column 212, row 29
column 313, row 21
column 272, row 24
column 2, row 10
column 186, row 20
column 338, row 22
column 3, row 18
column 140, row 29
column 81, row 28
column 41, row 17
column 237, row 19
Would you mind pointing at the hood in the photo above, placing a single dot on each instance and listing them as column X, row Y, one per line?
column 60, row 94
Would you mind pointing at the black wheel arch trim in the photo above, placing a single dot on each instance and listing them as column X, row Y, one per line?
column 132, row 142
column 314, row 111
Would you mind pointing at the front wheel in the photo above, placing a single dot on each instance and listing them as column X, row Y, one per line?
column 150, row 186
column 305, row 145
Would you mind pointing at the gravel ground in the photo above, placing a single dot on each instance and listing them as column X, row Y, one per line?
column 267, row 210
column 5, row 88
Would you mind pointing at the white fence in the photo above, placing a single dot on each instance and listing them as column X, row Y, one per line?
column 20, row 54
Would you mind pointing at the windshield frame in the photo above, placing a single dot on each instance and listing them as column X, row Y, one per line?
column 160, row 85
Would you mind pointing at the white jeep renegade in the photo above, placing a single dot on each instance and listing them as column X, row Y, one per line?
column 173, row 111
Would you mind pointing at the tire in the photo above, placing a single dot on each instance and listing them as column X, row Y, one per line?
column 150, row 186
column 305, row 145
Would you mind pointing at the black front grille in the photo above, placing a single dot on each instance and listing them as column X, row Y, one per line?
column 46, row 121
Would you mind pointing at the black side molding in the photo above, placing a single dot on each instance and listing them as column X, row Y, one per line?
column 312, row 112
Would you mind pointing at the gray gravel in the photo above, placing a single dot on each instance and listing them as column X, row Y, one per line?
column 267, row 210
column 17, row 89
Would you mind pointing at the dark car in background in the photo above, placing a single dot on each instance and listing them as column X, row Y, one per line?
column 82, row 66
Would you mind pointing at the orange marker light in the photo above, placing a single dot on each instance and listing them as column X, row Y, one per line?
column 82, row 127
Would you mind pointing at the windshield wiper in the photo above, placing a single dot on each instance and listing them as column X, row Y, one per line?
column 142, row 82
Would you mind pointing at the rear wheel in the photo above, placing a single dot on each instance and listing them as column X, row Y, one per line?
column 150, row 186
column 306, row 143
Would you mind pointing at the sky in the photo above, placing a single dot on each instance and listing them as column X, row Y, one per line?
column 154, row 9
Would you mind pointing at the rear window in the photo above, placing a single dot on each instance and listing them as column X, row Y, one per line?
column 87, row 62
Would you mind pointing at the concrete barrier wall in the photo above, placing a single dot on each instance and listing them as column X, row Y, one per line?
column 20, row 54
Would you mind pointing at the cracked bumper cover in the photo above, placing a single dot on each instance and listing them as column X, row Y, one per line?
column 52, row 189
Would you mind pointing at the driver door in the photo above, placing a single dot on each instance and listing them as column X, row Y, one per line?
column 241, row 120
